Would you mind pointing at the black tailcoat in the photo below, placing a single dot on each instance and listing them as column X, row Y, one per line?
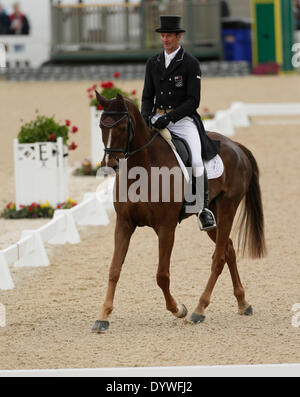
column 177, row 87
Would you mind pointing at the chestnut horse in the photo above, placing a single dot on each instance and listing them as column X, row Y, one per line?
column 126, row 135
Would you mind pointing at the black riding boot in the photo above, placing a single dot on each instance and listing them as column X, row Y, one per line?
column 206, row 219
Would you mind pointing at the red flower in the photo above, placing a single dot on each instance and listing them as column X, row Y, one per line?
column 99, row 107
column 30, row 209
column 91, row 96
column 109, row 84
column 22, row 206
column 59, row 206
column 103, row 85
column 73, row 146
column 90, row 89
column 34, row 205
column 68, row 123
column 8, row 205
column 133, row 92
column 94, row 87
column 117, row 75
column 73, row 204
column 74, row 129
column 51, row 137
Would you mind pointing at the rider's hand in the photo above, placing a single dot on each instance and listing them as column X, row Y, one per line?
column 162, row 122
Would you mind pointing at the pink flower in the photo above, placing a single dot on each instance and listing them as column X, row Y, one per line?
column 91, row 96
column 74, row 129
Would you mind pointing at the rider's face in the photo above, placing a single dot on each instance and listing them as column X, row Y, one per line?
column 170, row 41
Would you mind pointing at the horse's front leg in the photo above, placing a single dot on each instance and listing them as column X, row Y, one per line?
column 166, row 242
column 123, row 233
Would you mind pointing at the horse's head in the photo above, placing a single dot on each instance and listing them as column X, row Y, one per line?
column 117, row 128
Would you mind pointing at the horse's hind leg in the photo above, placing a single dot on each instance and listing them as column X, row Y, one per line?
column 238, row 289
column 225, row 215
column 123, row 233
column 166, row 242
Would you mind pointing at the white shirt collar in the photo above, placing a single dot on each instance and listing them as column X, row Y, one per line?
column 169, row 57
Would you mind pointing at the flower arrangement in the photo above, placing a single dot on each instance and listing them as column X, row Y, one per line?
column 87, row 168
column 207, row 115
column 46, row 129
column 109, row 90
column 34, row 210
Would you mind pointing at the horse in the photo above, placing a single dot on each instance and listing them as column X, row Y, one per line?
column 126, row 136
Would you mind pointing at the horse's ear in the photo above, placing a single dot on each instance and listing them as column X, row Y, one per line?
column 101, row 99
column 120, row 97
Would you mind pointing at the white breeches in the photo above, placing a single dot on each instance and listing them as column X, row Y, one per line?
column 187, row 129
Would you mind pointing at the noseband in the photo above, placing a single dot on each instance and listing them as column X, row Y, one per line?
column 130, row 133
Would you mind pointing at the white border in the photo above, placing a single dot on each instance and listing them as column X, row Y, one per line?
column 263, row 370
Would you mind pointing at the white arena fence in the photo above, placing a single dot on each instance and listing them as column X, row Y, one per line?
column 30, row 250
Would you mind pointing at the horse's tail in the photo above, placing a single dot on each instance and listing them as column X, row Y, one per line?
column 251, row 227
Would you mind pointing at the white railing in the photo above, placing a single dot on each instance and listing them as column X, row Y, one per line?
column 30, row 249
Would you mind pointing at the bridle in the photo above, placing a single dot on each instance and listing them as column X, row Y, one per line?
column 130, row 133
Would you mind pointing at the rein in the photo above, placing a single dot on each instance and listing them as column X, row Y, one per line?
column 130, row 134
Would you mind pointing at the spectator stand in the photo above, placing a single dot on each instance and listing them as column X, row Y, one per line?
column 30, row 51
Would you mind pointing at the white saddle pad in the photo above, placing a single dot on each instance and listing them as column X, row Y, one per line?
column 214, row 167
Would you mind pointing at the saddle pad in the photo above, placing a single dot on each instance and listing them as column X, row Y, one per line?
column 214, row 167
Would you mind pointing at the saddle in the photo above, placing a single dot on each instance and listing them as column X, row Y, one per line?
column 180, row 145
column 183, row 150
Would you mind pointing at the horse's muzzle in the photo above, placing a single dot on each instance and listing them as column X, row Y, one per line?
column 105, row 170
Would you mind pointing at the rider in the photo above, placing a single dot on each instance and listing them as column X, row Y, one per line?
column 171, row 96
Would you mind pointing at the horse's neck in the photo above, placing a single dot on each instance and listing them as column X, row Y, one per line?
column 142, row 136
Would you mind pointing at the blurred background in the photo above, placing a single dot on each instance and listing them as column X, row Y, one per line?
column 243, row 33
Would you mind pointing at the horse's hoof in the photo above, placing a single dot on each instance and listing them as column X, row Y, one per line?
column 182, row 311
column 100, row 326
column 197, row 318
column 248, row 311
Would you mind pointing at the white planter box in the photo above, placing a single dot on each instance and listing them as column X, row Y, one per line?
column 97, row 147
column 41, row 172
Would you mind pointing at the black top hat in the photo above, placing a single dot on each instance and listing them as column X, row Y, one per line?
column 170, row 24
